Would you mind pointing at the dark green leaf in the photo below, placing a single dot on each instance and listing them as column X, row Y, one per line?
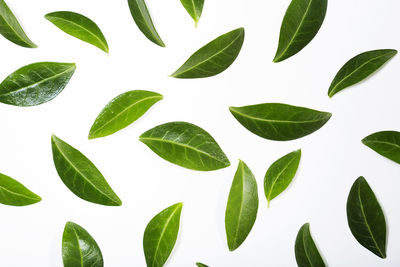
column 161, row 234
column 194, row 8
column 241, row 210
column 214, row 57
column 386, row 143
column 301, row 23
column 366, row 219
column 307, row 254
column 358, row 68
column 201, row 264
column 280, row 122
column 122, row 111
column 80, row 27
column 14, row 193
column 186, row 145
column 80, row 175
column 36, row 83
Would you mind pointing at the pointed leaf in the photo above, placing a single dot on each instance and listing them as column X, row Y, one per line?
column 194, row 8
column 14, row 193
column 201, row 264
column 307, row 254
column 385, row 143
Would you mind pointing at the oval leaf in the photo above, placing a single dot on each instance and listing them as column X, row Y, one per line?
column 201, row 264
column 143, row 20
column 214, row 57
column 80, row 175
column 11, row 29
column 194, row 8
column 122, row 111
column 241, row 210
column 186, row 145
column 80, row 27
column 14, row 193
column 280, row 122
column 79, row 248
column 359, row 68
column 307, row 254
column 36, row 83
column 281, row 174
column 386, row 143
column 301, row 23
column 161, row 234
column 366, row 219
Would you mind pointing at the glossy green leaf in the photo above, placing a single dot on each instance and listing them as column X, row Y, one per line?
column 143, row 20
column 80, row 27
column 14, row 193
column 79, row 249
column 281, row 174
column 301, row 23
column 186, row 145
column 359, row 68
column 161, row 234
column 214, row 57
column 280, row 122
column 194, row 8
column 201, row 264
column 122, row 111
column 307, row 254
column 385, row 143
column 11, row 29
column 241, row 210
column 80, row 175
column 366, row 219
column 36, row 83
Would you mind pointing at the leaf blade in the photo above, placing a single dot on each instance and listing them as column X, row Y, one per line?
column 307, row 254
column 13, row 193
column 385, row 143
column 199, row 264
column 194, row 8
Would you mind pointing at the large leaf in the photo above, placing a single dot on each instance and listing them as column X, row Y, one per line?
column 36, row 83
column 80, row 27
column 307, row 254
column 160, row 235
column 186, row 145
column 143, row 20
column 301, row 23
column 11, row 29
column 80, row 175
column 366, row 219
column 122, row 111
column 194, row 8
column 14, row 193
column 385, row 143
column 79, row 249
column 280, row 122
column 214, row 57
column 241, row 210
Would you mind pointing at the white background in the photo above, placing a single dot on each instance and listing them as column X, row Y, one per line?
column 333, row 157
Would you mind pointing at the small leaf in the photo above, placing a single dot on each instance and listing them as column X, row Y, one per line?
column 241, row 210
column 385, row 143
column 11, row 29
column 280, row 122
column 194, row 8
column 366, row 219
column 80, row 175
column 161, row 234
column 301, row 23
column 143, row 20
column 359, row 68
column 186, row 145
column 80, row 27
column 14, row 193
column 201, row 264
column 122, row 111
column 214, row 57
column 281, row 174
column 36, row 83
column 307, row 254
column 79, row 249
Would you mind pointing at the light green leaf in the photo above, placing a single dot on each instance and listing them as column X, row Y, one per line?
column 14, row 193
column 194, row 8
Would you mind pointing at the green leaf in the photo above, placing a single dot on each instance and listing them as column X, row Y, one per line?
column 143, row 20
column 161, row 234
column 122, row 111
column 366, row 219
column 36, row 83
column 214, row 57
column 301, row 23
column 307, row 254
column 79, row 249
column 11, row 29
column 280, row 122
column 201, row 264
column 80, row 27
column 281, row 174
column 359, row 68
column 14, row 193
column 385, row 143
column 241, row 210
column 194, row 8
column 186, row 145
column 80, row 175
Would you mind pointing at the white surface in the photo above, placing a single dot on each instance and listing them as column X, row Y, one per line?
column 333, row 157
